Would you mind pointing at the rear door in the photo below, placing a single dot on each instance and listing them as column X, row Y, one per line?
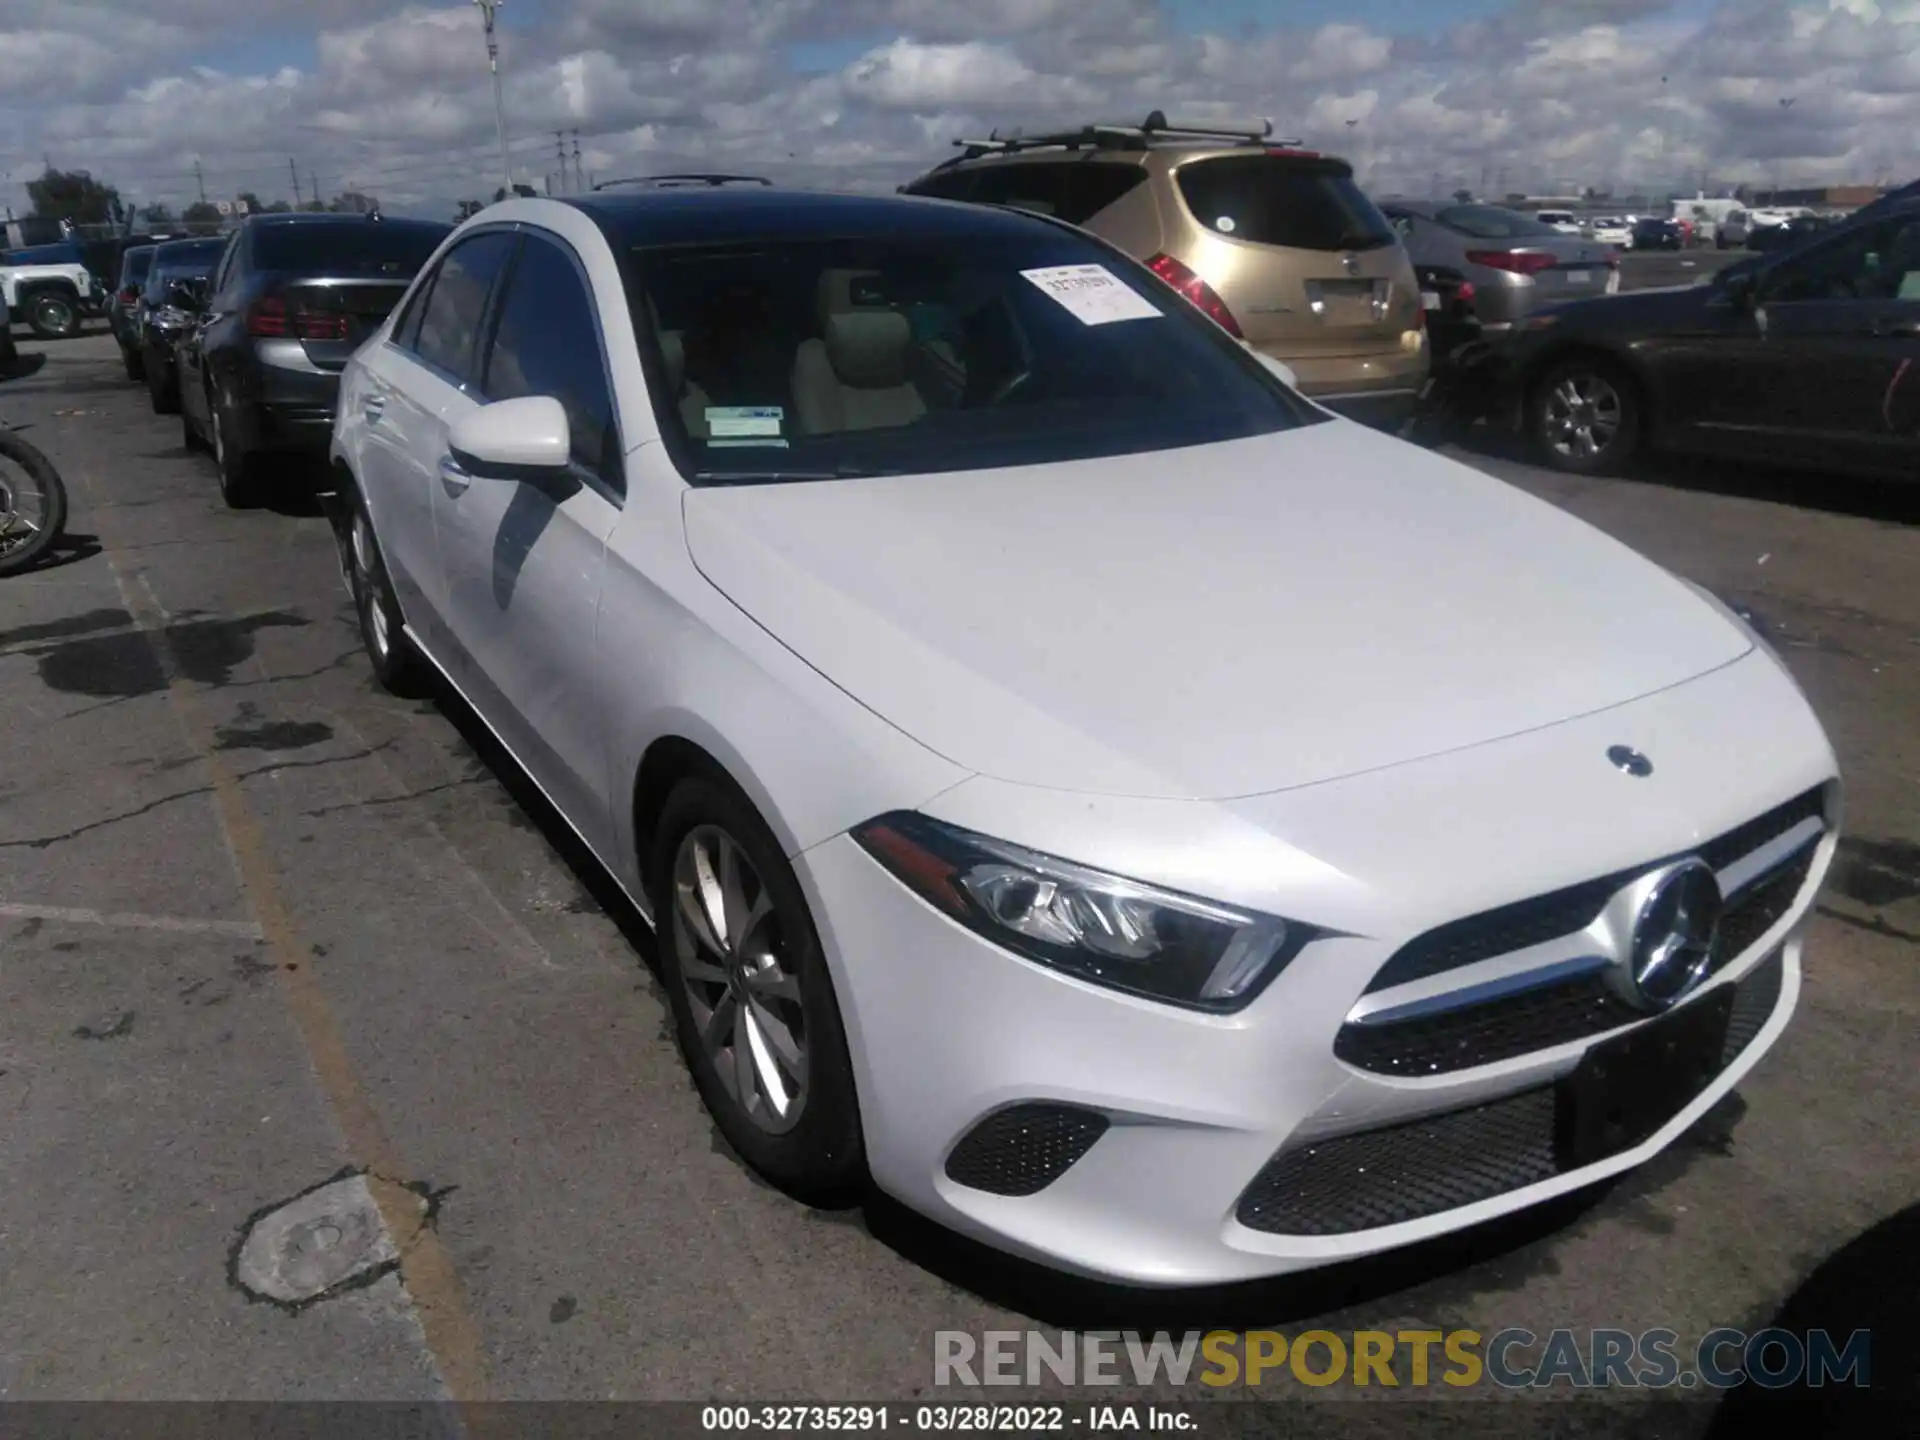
column 1304, row 261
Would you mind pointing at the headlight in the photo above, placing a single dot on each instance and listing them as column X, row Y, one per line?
column 1103, row 928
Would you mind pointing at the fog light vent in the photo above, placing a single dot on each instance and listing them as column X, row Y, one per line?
column 1025, row 1148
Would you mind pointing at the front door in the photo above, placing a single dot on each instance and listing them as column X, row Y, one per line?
column 1843, row 333
column 420, row 383
column 522, row 561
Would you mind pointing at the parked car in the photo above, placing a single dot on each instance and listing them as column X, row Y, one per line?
column 9, row 350
column 1769, row 239
column 1515, row 261
column 1173, row 885
column 167, row 311
column 49, row 288
column 1809, row 357
column 134, row 267
column 1653, row 233
column 1561, row 222
column 1276, row 243
column 293, row 297
column 1610, row 230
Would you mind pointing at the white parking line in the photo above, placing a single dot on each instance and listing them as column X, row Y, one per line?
column 180, row 925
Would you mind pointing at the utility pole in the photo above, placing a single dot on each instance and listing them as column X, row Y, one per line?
column 579, row 176
column 293, row 173
column 314, row 181
column 488, row 9
column 200, row 179
column 560, row 142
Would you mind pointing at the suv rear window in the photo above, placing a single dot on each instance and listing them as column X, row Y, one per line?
column 1283, row 200
column 393, row 248
column 135, row 264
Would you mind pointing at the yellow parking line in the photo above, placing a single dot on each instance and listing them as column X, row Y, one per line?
column 452, row 1337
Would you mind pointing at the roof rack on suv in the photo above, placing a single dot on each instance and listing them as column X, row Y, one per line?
column 1115, row 136
column 705, row 180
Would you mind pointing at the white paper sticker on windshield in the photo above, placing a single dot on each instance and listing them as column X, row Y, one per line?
column 744, row 422
column 1092, row 293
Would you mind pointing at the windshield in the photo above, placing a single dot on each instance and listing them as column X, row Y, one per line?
column 835, row 358
column 1491, row 222
column 136, row 264
column 1283, row 200
column 390, row 249
column 185, row 260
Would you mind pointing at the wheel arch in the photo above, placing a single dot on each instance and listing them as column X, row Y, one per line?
column 1616, row 358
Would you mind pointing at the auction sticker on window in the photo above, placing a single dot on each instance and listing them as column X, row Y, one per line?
column 1093, row 294
column 744, row 422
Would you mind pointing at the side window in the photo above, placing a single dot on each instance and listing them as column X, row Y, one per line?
column 951, row 185
column 1041, row 188
column 406, row 329
column 1879, row 262
column 1091, row 188
column 224, row 270
column 546, row 343
column 450, row 320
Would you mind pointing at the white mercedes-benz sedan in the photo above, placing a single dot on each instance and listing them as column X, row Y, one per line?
column 1084, row 789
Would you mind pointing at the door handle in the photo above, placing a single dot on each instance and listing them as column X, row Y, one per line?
column 452, row 476
column 373, row 407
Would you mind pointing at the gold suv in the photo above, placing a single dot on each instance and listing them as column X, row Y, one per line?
column 1276, row 243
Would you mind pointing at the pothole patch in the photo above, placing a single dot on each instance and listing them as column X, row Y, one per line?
column 322, row 1242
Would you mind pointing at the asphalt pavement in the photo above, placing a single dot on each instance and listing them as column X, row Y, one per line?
column 263, row 928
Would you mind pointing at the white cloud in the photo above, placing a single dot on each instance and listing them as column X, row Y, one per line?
column 398, row 100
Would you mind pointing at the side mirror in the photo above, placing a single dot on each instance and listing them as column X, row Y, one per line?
column 525, row 439
column 1283, row 373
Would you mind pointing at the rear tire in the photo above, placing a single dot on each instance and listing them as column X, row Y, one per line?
column 746, row 1002
column 396, row 664
column 1584, row 416
column 234, row 463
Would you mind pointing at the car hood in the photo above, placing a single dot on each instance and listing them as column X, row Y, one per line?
column 1205, row 623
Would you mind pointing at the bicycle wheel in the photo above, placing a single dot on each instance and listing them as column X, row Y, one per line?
column 33, row 504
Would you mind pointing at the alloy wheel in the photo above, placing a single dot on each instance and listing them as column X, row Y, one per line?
column 1583, row 415
column 741, row 984
column 18, row 527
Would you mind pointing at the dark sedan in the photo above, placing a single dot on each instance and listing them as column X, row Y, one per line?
column 1771, row 238
column 165, row 312
column 134, row 265
column 294, row 297
column 1810, row 357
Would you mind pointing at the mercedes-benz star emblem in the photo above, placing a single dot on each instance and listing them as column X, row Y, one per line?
column 1631, row 761
column 1673, row 935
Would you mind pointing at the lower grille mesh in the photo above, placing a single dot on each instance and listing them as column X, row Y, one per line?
column 1023, row 1149
column 1442, row 1162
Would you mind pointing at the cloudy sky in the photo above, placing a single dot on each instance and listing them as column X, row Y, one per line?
column 394, row 99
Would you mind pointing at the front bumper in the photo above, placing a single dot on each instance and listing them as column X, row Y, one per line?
column 1212, row 1134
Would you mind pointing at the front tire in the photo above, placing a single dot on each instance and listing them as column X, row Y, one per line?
column 396, row 664
column 753, row 1004
column 53, row 316
column 28, row 530
column 1584, row 417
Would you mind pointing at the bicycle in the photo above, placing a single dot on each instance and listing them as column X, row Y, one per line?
column 33, row 503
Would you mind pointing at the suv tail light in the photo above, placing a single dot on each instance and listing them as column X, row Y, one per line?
column 267, row 318
column 1512, row 263
column 1197, row 292
column 128, row 294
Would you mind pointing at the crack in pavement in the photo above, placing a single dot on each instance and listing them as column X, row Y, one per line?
column 395, row 799
column 1876, row 926
column 43, row 842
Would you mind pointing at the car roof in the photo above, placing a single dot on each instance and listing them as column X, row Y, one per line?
column 316, row 217
column 193, row 245
column 719, row 215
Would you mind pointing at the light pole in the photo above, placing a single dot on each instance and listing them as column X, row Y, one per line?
column 487, row 11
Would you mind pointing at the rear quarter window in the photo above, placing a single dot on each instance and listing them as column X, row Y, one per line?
column 1282, row 200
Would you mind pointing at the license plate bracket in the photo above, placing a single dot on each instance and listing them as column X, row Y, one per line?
column 1579, row 277
column 1626, row 1088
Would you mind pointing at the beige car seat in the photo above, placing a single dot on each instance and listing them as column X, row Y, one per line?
column 857, row 375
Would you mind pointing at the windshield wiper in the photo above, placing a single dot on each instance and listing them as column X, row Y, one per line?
column 774, row 477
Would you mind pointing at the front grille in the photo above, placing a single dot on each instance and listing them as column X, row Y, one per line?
column 1541, row 918
column 1577, row 1008
column 1023, row 1149
column 1442, row 1162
